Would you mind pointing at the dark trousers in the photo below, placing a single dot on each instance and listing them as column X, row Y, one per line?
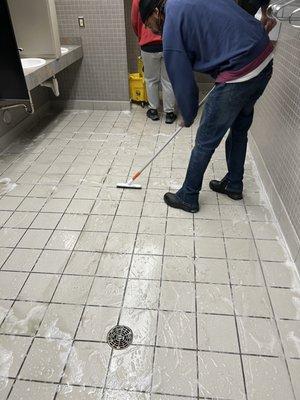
column 229, row 107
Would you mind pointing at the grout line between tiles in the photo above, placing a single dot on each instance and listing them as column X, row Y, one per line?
column 160, row 289
column 235, row 316
column 196, row 307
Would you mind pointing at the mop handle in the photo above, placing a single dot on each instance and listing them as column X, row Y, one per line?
column 137, row 174
column 157, row 154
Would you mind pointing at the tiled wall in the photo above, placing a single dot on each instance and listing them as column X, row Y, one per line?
column 102, row 75
column 16, row 115
column 40, row 97
column 276, row 131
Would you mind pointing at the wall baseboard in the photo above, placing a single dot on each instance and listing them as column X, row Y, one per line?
column 91, row 105
column 285, row 223
column 24, row 125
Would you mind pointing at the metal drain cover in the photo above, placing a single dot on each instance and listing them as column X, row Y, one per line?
column 120, row 337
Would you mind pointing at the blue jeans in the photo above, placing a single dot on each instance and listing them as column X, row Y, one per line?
column 230, row 106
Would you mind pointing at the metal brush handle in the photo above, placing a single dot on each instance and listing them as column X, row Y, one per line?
column 135, row 176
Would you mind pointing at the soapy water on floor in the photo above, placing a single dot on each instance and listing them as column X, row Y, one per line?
column 6, row 360
column 6, row 186
column 149, row 364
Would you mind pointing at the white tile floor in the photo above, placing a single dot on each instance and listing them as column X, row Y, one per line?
column 212, row 298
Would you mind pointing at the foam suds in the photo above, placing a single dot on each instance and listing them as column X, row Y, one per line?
column 6, row 186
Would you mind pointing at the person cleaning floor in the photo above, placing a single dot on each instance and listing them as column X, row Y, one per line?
column 223, row 40
column 154, row 68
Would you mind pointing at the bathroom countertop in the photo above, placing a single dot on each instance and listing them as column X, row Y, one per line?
column 35, row 76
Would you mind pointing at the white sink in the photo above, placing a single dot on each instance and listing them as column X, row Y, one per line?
column 64, row 50
column 32, row 62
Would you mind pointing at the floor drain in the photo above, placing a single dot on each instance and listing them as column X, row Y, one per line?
column 120, row 337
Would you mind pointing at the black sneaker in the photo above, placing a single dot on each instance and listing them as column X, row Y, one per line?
column 170, row 118
column 153, row 114
column 220, row 187
column 173, row 201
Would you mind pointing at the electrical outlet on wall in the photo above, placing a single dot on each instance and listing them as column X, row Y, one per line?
column 81, row 22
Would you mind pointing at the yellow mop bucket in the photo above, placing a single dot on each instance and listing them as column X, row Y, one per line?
column 138, row 91
column 137, row 85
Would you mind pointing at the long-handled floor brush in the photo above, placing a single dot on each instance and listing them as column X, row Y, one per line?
column 130, row 184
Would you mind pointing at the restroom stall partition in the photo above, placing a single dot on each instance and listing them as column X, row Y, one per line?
column 13, row 88
column 36, row 27
column 133, row 49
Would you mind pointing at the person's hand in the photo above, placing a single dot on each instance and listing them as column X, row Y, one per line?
column 268, row 23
